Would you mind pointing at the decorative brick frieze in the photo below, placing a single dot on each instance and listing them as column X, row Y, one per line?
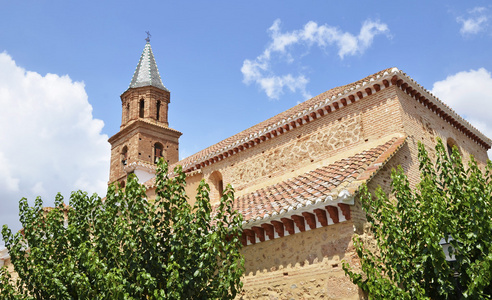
column 299, row 221
column 259, row 232
column 269, row 230
column 315, row 109
column 294, row 223
column 321, row 216
column 289, row 225
column 310, row 219
column 345, row 210
column 333, row 212
column 279, row 228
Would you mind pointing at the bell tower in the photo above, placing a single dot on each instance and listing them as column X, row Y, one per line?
column 145, row 135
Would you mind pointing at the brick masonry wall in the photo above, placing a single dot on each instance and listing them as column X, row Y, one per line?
column 421, row 124
column 140, row 139
column 131, row 99
column 306, row 265
column 308, row 146
column 140, row 143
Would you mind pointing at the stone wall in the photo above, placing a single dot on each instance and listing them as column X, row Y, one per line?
column 192, row 183
column 311, row 145
column 308, row 146
column 301, row 266
column 307, row 265
column 423, row 125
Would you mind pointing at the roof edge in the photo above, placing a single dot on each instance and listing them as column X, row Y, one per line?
column 370, row 85
column 346, row 195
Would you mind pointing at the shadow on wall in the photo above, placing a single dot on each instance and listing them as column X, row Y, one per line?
column 327, row 245
column 404, row 158
column 216, row 186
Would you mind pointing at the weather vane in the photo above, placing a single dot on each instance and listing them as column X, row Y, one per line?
column 148, row 36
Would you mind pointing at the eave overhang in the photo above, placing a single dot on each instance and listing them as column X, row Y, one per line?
column 369, row 86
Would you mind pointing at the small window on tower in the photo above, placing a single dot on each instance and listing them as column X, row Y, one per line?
column 124, row 156
column 158, row 108
column 142, row 106
column 158, row 149
column 128, row 112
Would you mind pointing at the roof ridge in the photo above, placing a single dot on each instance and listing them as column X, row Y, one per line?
column 287, row 115
column 327, row 102
column 440, row 102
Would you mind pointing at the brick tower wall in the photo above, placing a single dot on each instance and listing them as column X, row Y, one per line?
column 141, row 128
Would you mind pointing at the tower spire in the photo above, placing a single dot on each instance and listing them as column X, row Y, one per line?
column 147, row 73
column 144, row 135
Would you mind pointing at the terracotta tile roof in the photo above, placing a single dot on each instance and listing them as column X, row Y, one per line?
column 140, row 164
column 333, row 182
column 275, row 119
column 325, row 103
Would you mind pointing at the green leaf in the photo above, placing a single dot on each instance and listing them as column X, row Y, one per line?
column 127, row 247
column 409, row 223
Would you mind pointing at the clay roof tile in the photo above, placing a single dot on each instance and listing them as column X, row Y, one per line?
column 316, row 184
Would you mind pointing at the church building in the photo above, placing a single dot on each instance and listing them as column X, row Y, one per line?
column 297, row 174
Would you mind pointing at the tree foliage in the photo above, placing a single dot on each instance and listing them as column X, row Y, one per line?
column 126, row 247
column 452, row 202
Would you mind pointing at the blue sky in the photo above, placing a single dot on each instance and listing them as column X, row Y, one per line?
column 228, row 65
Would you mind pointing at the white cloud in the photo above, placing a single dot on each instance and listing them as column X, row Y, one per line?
column 274, row 85
column 477, row 10
column 282, row 46
column 477, row 20
column 49, row 140
column 9, row 183
column 470, row 94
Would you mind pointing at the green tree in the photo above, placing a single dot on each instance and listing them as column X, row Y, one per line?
column 126, row 247
column 451, row 202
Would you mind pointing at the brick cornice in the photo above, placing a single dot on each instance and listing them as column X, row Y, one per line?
column 144, row 124
column 319, row 109
column 145, row 90
column 438, row 107
column 320, row 214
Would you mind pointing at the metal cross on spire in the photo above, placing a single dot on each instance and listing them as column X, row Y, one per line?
column 148, row 36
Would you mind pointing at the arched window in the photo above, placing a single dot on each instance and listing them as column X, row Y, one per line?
column 158, row 109
column 124, row 156
column 142, row 107
column 450, row 143
column 216, row 185
column 158, row 152
column 221, row 187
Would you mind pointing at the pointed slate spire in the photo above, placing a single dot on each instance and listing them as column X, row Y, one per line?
column 147, row 73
